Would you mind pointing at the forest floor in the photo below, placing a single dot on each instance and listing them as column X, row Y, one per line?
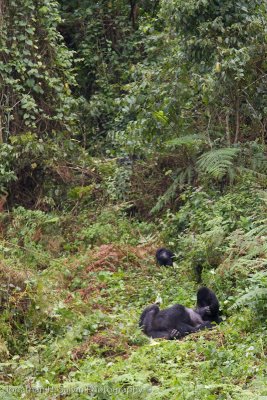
column 79, row 338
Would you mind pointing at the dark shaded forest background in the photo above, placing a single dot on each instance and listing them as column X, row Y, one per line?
column 178, row 85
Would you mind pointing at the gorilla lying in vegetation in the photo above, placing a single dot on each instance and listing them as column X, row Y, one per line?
column 178, row 321
column 164, row 257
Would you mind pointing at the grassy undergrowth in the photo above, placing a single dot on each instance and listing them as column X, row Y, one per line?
column 72, row 290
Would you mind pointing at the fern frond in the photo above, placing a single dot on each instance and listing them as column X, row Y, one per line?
column 188, row 141
column 254, row 161
column 183, row 177
column 218, row 162
column 258, row 162
column 168, row 195
column 253, row 297
column 259, row 230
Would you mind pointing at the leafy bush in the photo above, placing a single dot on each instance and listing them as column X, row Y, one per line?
column 113, row 227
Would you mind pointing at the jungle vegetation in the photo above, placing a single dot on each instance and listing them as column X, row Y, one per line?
column 125, row 126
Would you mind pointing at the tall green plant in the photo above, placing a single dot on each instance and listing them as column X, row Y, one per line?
column 35, row 70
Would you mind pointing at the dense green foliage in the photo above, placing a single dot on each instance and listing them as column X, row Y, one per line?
column 126, row 125
column 36, row 70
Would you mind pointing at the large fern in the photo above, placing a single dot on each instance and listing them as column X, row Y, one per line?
column 259, row 229
column 255, row 298
column 217, row 163
column 187, row 141
column 255, row 295
column 214, row 164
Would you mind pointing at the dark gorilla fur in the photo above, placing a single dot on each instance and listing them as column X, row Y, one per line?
column 164, row 257
column 178, row 321
column 206, row 299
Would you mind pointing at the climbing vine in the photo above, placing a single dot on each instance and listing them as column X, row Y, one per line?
column 35, row 70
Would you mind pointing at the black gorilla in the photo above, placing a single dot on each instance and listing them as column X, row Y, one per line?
column 206, row 299
column 178, row 321
column 172, row 323
column 164, row 257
